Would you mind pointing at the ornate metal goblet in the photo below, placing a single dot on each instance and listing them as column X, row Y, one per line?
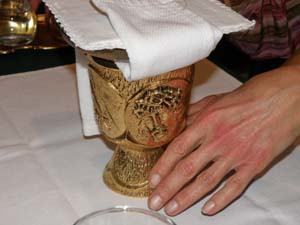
column 141, row 117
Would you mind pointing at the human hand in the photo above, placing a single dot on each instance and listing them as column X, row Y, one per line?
column 241, row 131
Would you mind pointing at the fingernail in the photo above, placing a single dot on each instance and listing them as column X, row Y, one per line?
column 171, row 207
column 154, row 180
column 155, row 202
column 208, row 207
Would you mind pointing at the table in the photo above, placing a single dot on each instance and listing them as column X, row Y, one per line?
column 51, row 175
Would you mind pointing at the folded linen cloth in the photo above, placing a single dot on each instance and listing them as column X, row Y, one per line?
column 89, row 124
column 163, row 35
column 158, row 35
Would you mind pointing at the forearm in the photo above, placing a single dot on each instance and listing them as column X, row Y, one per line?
column 285, row 80
column 292, row 69
column 294, row 60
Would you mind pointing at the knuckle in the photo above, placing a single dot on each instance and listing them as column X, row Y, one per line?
column 207, row 179
column 186, row 168
column 212, row 116
column 210, row 98
column 214, row 97
column 236, row 184
column 180, row 147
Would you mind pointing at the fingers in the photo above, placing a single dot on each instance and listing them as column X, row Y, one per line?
column 191, row 119
column 189, row 140
column 184, row 171
column 202, row 104
column 233, row 188
column 204, row 183
column 197, row 108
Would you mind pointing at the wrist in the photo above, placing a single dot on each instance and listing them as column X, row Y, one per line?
column 288, row 76
column 297, row 114
column 285, row 82
column 291, row 74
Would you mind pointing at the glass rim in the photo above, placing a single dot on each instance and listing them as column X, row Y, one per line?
column 120, row 208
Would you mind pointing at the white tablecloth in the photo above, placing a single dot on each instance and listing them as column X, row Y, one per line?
column 51, row 175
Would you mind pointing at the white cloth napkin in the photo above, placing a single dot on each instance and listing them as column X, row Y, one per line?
column 89, row 124
column 87, row 28
column 158, row 35
column 163, row 35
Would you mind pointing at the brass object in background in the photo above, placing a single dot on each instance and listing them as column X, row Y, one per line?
column 48, row 36
column 17, row 23
column 141, row 117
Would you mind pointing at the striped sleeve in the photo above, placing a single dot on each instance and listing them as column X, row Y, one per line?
column 277, row 30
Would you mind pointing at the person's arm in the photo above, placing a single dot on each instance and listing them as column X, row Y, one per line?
column 242, row 132
column 294, row 60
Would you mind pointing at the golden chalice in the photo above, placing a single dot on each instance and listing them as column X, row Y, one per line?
column 141, row 117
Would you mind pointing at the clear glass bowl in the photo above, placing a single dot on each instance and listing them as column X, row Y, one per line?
column 124, row 215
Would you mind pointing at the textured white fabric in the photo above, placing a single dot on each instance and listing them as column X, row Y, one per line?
column 51, row 175
column 87, row 28
column 163, row 35
column 89, row 125
column 158, row 35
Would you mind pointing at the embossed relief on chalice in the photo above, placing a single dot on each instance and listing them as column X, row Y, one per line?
column 149, row 107
column 109, row 106
column 152, row 116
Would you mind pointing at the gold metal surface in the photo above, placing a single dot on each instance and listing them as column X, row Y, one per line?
column 141, row 117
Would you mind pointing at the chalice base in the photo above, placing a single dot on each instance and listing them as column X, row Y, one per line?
column 128, row 171
column 118, row 187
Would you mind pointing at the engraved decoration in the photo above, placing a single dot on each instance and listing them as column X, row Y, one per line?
column 152, row 116
column 108, row 105
column 141, row 117
column 149, row 110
